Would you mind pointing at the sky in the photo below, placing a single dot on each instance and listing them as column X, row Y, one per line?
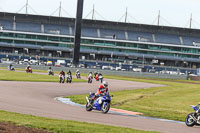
column 175, row 13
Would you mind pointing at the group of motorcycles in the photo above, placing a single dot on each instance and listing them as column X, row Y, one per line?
column 102, row 103
column 97, row 76
column 62, row 78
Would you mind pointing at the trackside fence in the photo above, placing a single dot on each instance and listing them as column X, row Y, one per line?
column 104, row 72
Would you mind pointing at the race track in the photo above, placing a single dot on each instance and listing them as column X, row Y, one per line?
column 38, row 98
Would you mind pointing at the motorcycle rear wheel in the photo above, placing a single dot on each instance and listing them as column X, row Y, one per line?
column 189, row 121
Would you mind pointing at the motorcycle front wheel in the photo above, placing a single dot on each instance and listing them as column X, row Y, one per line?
column 88, row 107
column 105, row 107
column 189, row 121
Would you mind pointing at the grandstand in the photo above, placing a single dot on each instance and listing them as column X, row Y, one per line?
column 100, row 40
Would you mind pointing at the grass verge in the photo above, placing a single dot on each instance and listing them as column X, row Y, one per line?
column 31, row 77
column 169, row 102
column 62, row 126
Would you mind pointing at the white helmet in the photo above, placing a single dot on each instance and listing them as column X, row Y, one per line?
column 105, row 84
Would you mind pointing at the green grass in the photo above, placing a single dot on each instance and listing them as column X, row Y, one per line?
column 23, row 76
column 34, row 70
column 62, row 126
column 169, row 102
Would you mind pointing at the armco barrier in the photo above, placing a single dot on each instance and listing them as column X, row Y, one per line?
column 104, row 72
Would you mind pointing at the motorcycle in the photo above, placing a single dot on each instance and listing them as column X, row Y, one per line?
column 101, row 78
column 62, row 78
column 193, row 118
column 90, row 79
column 97, row 77
column 78, row 76
column 69, row 78
column 11, row 68
column 101, row 104
column 50, row 72
column 29, row 70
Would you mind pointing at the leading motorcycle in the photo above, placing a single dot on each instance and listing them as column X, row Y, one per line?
column 102, row 103
column 194, row 117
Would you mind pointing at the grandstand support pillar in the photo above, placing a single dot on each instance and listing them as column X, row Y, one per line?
column 77, row 38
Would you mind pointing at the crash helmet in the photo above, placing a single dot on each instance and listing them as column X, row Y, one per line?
column 105, row 84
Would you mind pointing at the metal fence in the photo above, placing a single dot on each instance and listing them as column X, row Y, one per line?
column 104, row 72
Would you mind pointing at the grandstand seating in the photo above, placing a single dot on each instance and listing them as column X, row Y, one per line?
column 56, row 29
column 189, row 40
column 104, row 33
column 29, row 27
column 7, row 25
column 140, row 36
column 108, row 33
column 89, row 32
column 167, row 38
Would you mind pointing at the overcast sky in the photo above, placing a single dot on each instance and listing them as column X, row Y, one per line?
column 173, row 12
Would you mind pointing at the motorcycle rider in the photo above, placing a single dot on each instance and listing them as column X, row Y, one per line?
column 102, row 89
column 50, row 70
column 62, row 73
column 69, row 73
column 100, row 77
column 77, row 73
column 11, row 67
column 90, row 75
column 28, row 67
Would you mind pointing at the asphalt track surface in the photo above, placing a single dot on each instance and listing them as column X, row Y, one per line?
column 38, row 98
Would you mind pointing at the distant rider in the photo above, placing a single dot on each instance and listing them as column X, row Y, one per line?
column 69, row 73
column 102, row 89
column 62, row 72
column 90, row 75
column 100, row 74
column 50, row 70
column 11, row 67
column 77, row 73
column 28, row 67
